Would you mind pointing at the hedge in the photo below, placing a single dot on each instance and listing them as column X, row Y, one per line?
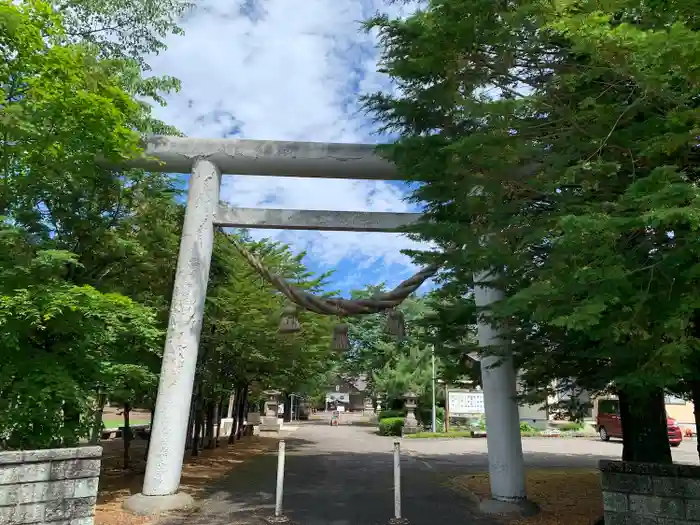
column 391, row 426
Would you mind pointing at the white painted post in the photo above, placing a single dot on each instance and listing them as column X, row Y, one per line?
column 279, row 491
column 397, row 519
column 167, row 445
column 505, row 450
column 397, row 479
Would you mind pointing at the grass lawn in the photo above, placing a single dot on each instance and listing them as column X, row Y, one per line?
column 468, row 434
column 116, row 421
column 570, row 496
column 450, row 434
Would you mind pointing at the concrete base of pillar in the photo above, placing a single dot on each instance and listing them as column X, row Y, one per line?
column 410, row 427
column 269, row 424
column 524, row 508
column 278, row 520
column 398, row 521
column 143, row 505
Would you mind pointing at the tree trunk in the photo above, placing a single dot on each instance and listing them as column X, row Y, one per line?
column 236, row 415
column 198, row 427
column 694, row 387
column 644, row 427
column 126, row 434
column 219, row 417
column 97, row 425
column 150, row 433
column 211, row 418
column 287, row 408
column 242, row 415
column 231, row 401
column 190, row 421
column 71, row 422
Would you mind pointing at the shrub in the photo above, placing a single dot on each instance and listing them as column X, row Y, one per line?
column 425, row 414
column 526, row 427
column 391, row 426
column 386, row 414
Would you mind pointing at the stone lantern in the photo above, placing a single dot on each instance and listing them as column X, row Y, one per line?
column 368, row 407
column 410, row 424
column 380, row 396
column 269, row 422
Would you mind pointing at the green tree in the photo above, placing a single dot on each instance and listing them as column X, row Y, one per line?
column 70, row 224
column 557, row 142
column 58, row 341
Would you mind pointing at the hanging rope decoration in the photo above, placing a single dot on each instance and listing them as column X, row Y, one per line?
column 383, row 302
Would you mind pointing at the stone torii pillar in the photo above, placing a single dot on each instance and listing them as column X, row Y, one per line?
column 169, row 429
column 505, row 448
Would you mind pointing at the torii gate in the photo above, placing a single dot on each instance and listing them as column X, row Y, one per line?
column 207, row 160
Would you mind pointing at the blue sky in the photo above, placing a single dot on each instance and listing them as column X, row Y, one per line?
column 291, row 70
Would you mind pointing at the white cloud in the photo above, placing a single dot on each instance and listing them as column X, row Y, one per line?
column 288, row 70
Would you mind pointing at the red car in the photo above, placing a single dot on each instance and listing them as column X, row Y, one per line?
column 609, row 425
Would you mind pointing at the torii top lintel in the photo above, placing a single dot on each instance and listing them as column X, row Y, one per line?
column 267, row 157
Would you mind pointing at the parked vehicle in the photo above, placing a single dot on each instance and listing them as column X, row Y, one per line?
column 609, row 424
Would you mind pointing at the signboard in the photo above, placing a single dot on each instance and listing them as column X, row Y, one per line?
column 339, row 397
column 463, row 403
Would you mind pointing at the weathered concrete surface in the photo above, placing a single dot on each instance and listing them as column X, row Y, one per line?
column 53, row 486
column 142, row 505
column 267, row 157
column 167, row 445
column 506, row 466
column 318, row 220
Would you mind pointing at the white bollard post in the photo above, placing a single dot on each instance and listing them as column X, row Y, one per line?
column 397, row 519
column 279, row 489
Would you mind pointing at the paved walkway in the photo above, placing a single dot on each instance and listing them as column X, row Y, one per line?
column 334, row 476
column 343, row 476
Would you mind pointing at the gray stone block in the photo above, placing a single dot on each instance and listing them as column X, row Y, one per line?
column 627, row 518
column 86, row 487
column 622, row 482
column 83, row 521
column 13, row 474
column 79, row 468
column 55, row 454
column 692, row 509
column 69, row 509
column 657, row 506
column 615, row 501
column 691, row 488
column 90, row 520
column 615, row 518
column 34, row 492
column 669, row 487
column 672, row 521
column 31, row 513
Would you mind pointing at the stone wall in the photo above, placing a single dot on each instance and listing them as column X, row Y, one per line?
column 650, row 494
column 56, row 486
